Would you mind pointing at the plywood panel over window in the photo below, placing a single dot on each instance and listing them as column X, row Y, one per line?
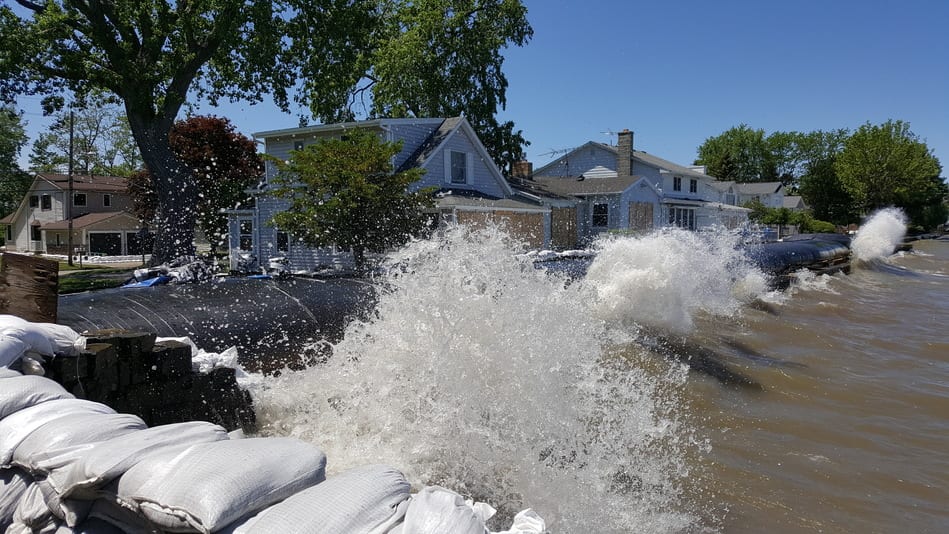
column 526, row 227
column 563, row 228
column 640, row 216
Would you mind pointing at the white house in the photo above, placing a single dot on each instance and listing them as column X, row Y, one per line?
column 99, row 211
column 623, row 189
column 471, row 189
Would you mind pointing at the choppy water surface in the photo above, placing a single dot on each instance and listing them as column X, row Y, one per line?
column 518, row 387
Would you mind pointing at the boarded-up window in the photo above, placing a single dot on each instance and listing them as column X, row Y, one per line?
column 640, row 216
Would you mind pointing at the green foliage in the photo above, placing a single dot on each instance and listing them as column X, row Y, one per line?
column 13, row 182
column 102, row 141
column 786, row 217
column 326, row 53
column 739, row 154
column 344, row 192
column 223, row 163
column 887, row 165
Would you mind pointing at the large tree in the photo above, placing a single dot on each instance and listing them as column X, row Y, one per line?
column 739, row 154
column 344, row 192
column 887, row 165
column 223, row 163
column 152, row 53
column 13, row 181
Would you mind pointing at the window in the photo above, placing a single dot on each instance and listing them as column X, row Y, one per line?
column 9, row 233
column 682, row 217
column 35, row 233
column 46, row 203
column 457, row 166
column 79, row 199
column 601, row 214
column 283, row 242
column 298, row 145
column 246, row 235
column 677, row 184
column 34, row 201
column 106, row 200
column 693, row 186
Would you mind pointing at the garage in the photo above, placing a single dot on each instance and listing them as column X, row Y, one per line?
column 105, row 243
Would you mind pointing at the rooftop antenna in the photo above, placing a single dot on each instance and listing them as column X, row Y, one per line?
column 558, row 151
column 609, row 133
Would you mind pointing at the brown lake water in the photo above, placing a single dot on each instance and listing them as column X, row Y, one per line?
column 850, row 431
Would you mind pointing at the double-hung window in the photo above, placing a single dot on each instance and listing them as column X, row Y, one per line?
column 458, row 167
column 693, row 186
column 46, row 202
column 676, row 183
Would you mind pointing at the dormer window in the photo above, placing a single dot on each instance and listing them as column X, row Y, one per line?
column 693, row 186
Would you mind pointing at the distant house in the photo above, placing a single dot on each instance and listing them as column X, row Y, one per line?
column 795, row 203
column 771, row 194
column 470, row 187
column 621, row 189
column 99, row 211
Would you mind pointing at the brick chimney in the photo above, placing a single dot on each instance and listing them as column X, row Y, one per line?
column 522, row 169
column 624, row 153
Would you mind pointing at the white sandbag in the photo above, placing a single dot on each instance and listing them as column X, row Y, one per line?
column 23, row 391
column 6, row 372
column 435, row 510
column 79, row 471
column 210, row 485
column 75, row 430
column 16, row 427
column 32, row 516
column 18, row 336
column 13, row 485
column 365, row 500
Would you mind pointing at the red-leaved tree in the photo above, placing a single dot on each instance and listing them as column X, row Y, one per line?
column 223, row 164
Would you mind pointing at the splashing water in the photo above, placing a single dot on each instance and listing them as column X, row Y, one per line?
column 505, row 383
column 879, row 235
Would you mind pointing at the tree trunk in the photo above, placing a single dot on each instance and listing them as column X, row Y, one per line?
column 177, row 193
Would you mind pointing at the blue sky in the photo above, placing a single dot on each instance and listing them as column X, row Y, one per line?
column 678, row 72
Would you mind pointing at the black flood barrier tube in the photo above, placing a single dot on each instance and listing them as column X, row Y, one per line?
column 269, row 321
column 804, row 251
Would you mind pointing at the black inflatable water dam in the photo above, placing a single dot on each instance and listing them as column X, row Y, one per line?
column 818, row 252
column 269, row 321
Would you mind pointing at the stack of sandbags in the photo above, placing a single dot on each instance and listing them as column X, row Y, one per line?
column 22, row 340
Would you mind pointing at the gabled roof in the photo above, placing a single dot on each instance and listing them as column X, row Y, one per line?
column 317, row 128
column 83, row 221
column 430, row 145
column 790, row 202
column 638, row 155
column 759, row 188
column 105, row 184
column 721, row 186
column 583, row 187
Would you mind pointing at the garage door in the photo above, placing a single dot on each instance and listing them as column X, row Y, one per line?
column 108, row 243
column 527, row 227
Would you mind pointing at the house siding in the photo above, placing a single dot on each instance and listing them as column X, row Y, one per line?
column 483, row 179
column 579, row 162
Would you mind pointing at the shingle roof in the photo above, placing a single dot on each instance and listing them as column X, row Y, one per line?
column 82, row 221
column 116, row 184
column 759, row 188
column 592, row 186
column 431, row 144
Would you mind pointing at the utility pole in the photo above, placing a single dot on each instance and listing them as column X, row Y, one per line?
column 69, row 195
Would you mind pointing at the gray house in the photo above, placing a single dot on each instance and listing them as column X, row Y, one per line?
column 621, row 189
column 471, row 189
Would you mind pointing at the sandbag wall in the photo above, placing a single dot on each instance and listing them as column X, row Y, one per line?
column 133, row 374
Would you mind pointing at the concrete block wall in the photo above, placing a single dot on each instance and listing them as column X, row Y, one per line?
column 132, row 373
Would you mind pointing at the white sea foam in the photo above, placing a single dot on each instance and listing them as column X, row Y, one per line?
column 501, row 381
column 879, row 235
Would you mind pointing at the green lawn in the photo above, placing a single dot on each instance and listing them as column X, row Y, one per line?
column 90, row 277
